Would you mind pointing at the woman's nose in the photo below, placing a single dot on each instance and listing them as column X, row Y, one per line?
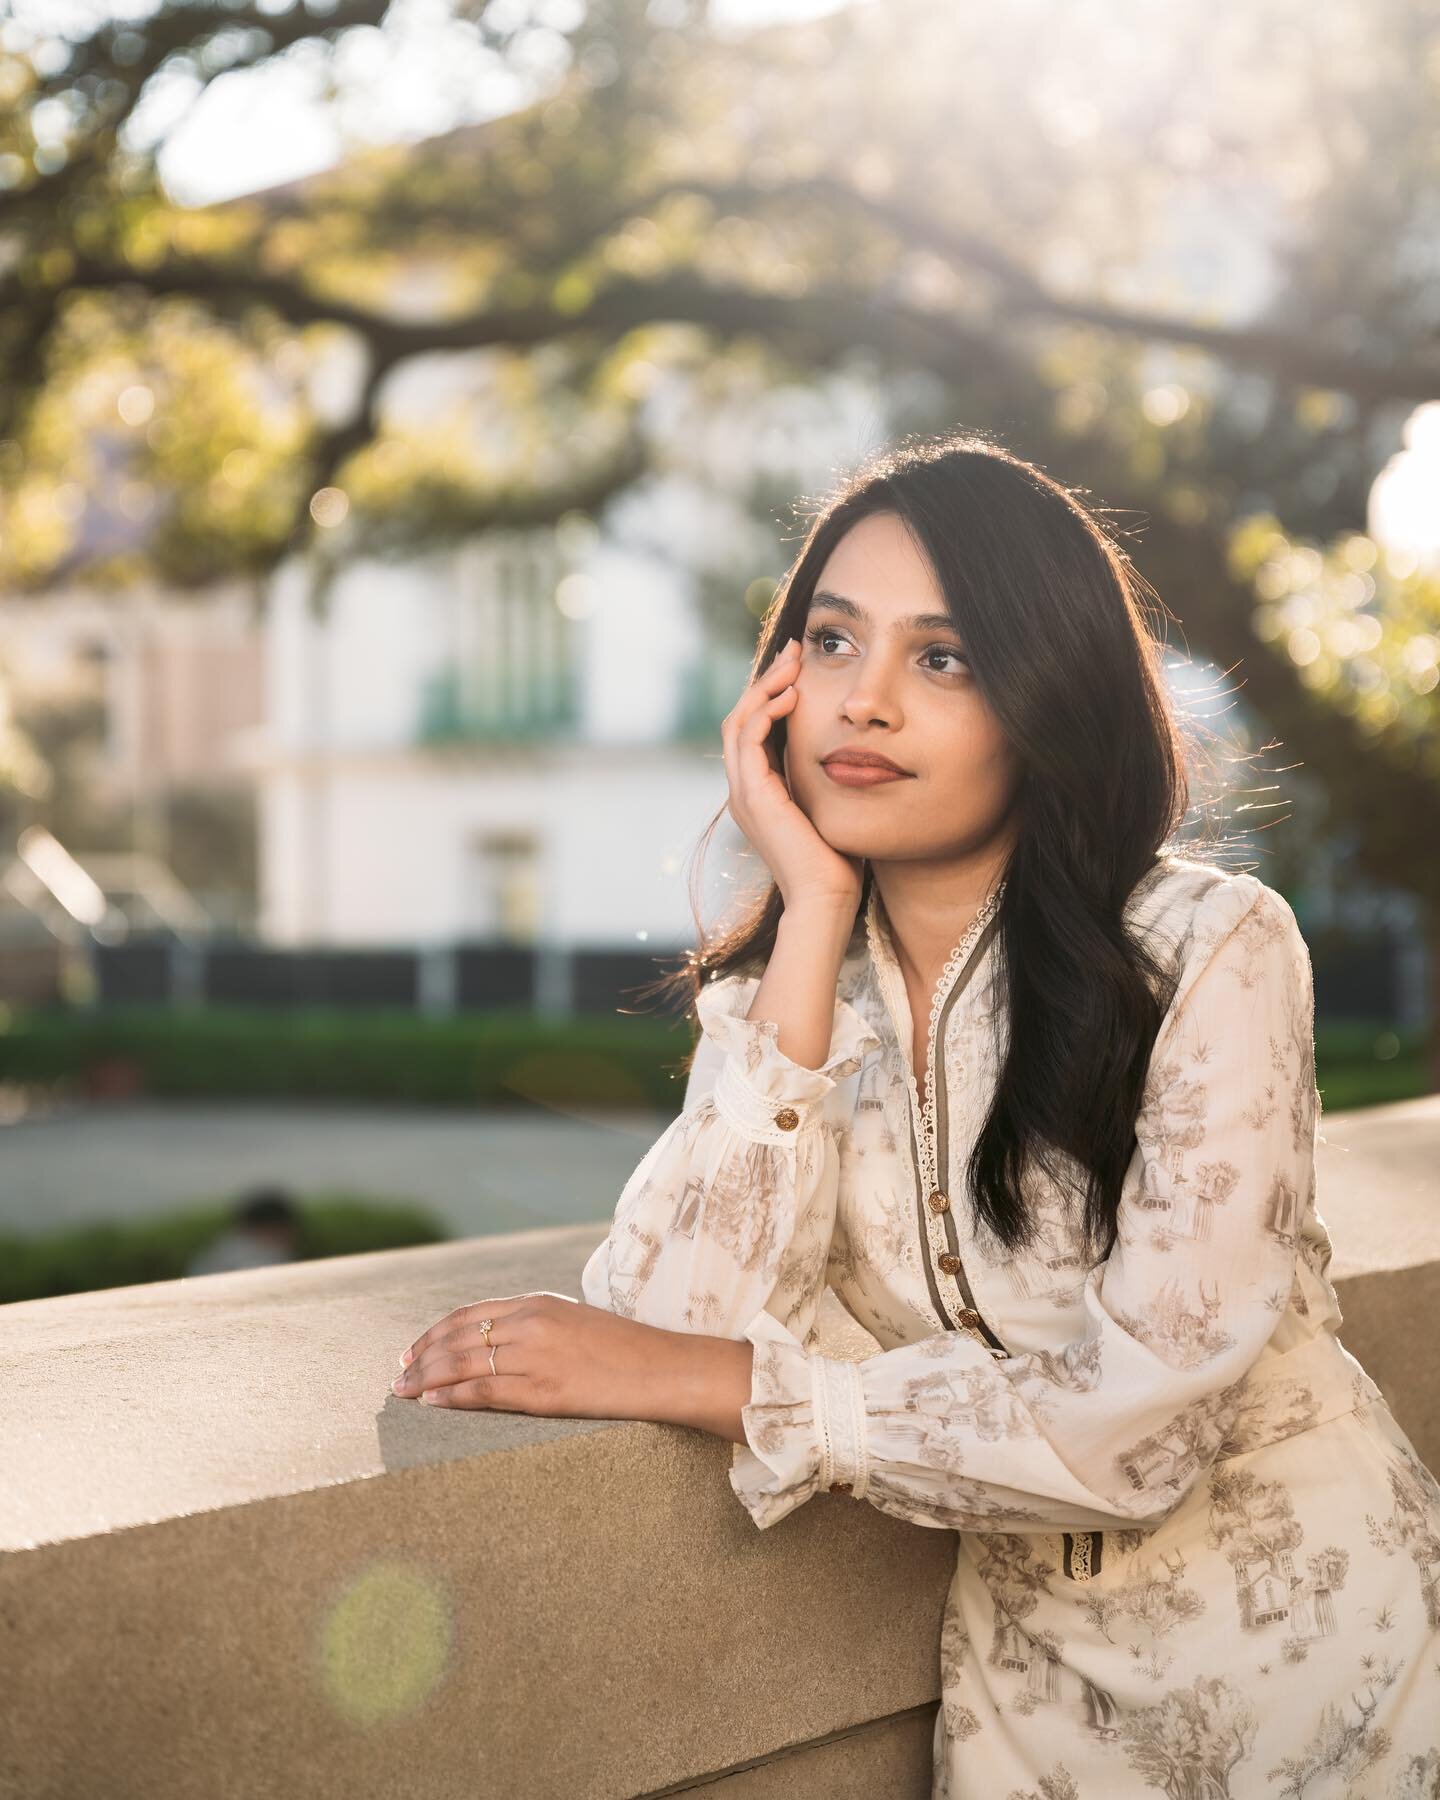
column 868, row 700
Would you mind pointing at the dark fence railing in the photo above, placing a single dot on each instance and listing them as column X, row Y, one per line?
column 440, row 979
column 1369, row 978
column 235, row 975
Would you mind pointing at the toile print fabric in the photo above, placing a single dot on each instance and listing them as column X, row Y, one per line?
column 1196, row 1555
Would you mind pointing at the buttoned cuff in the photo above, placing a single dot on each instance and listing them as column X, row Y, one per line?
column 760, row 1090
column 804, row 1426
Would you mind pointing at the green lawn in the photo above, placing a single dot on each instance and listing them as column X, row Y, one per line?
column 1366, row 1065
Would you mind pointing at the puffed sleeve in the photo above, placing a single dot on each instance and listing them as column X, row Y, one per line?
column 1115, row 1428
column 732, row 1209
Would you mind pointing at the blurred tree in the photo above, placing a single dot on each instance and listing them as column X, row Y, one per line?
column 62, row 736
column 1016, row 208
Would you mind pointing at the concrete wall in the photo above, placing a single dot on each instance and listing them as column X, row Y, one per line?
column 233, row 1564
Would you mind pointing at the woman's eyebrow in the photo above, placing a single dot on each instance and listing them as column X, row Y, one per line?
column 916, row 622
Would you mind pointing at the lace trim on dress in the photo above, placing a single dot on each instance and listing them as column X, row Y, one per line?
column 883, row 957
column 859, row 1438
column 821, row 1412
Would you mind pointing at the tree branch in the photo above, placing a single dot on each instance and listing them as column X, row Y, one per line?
column 190, row 25
column 165, row 34
column 1281, row 355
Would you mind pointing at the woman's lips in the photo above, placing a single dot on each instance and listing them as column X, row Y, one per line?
column 849, row 774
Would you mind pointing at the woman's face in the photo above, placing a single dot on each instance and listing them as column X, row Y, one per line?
column 871, row 677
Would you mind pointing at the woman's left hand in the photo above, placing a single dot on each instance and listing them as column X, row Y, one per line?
column 554, row 1356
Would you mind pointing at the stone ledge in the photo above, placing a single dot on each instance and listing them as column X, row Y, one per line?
column 237, row 1565
column 888, row 1757
column 234, row 1564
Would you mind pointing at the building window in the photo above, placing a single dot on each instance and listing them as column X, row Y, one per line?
column 503, row 878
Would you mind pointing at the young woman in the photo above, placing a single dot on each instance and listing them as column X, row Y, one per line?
column 1034, row 1095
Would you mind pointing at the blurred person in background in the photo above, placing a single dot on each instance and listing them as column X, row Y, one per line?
column 265, row 1229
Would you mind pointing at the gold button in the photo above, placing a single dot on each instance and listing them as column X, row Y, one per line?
column 950, row 1264
column 939, row 1202
column 787, row 1118
column 840, row 1487
column 970, row 1320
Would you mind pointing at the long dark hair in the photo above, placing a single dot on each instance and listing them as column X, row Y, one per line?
column 1057, row 624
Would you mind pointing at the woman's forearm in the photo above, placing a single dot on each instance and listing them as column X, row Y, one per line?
column 798, row 987
column 702, row 1382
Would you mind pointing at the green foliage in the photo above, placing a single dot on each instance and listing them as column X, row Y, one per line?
column 1360, row 1064
column 992, row 224
column 496, row 1059
column 665, row 195
column 1362, row 628
column 123, row 1253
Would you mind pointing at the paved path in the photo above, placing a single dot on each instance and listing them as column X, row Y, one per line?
column 481, row 1172
column 1378, row 1170
column 484, row 1172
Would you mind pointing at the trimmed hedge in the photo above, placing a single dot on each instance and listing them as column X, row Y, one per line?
column 122, row 1253
column 499, row 1058
column 1370, row 1065
column 492, row 1059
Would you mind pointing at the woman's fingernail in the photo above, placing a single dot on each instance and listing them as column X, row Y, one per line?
column 397, row 1384
column 405, row 1358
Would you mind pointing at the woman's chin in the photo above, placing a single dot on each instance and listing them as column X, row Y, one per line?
column 846, row 840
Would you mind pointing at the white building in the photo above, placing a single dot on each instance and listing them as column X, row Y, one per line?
column 451, row 755
column 519, row 738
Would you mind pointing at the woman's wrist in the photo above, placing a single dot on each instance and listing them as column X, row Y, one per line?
column 821, row 925
column 798, row 988
column 703, row 1382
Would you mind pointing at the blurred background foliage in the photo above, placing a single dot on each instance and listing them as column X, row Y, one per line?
column 766, row 206
column 968, row 202
column 999, row 216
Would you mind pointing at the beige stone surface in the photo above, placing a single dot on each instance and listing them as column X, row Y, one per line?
column 872, row 1762
column 1377, row 1171
column 133, row 1405
column 1388, row 1322
column 238, row 1566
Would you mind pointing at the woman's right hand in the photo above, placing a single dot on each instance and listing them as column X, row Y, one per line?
column 806, row 869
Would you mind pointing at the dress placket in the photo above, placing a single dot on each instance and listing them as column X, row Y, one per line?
column 952, row 1297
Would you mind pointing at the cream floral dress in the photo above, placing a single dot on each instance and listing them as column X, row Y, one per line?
column 1196, row 1555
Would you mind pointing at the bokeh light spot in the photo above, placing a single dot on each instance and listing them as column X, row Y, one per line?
column 577, row 596
column 329, row 507
column 136, row 405
column 385, row 1644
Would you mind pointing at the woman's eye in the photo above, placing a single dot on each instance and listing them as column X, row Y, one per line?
column 821, row 635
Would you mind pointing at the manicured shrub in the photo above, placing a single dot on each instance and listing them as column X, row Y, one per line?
column 122, row 1253
column 492, row 1059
